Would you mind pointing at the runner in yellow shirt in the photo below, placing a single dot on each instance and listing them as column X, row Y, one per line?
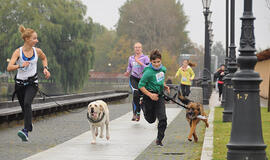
column 186, row 75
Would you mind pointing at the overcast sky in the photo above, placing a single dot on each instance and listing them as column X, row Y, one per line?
column 106, row 13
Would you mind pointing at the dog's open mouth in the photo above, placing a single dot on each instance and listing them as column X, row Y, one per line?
column 94, row 114
column 191, row 115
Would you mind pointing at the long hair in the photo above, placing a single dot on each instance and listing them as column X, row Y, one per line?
column 26, row 32
column 191, row 64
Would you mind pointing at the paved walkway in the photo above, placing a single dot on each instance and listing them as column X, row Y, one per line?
column 128, row 140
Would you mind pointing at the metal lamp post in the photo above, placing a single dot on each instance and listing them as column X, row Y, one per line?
column 210, row 40
column 246, row 141
column 232, row 67
column 227, row 54
column 206, row 74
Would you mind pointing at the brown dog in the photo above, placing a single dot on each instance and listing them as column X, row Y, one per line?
column 194, row 114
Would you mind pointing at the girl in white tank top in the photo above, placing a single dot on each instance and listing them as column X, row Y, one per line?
column 26, row 79
column 31, row 69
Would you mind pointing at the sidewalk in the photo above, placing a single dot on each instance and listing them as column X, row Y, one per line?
column 128, row 140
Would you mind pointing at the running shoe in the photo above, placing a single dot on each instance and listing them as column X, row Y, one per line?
column 159, row 143
column 134, row 117
column 138, row 117
column 23, row 134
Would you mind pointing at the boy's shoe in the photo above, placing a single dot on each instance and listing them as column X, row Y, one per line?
column 23, row 134
column 159, row 143
column 137, row 117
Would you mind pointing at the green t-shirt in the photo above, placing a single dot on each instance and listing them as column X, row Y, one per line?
column 153, row 80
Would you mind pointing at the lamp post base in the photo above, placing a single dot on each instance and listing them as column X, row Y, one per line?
column 227, row 116
column 205, row 101
column 247, row 154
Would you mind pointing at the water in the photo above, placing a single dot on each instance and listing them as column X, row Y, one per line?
column 5, row 98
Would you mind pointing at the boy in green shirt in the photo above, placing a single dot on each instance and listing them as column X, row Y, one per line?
column 152, row 85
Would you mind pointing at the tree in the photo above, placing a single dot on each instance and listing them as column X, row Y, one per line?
column 119, row 56
column 170, row 62
column 155, row 23
column 219, row 51
column 103, row 42
column 198, row 58
column 64, row 36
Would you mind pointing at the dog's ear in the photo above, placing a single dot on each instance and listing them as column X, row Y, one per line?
column 101, row 107
column 89, row 106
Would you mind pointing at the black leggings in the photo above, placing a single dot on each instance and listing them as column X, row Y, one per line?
column 25, row 95
column 155, row 110
column 185, row 90
column 220, row 87
column 133, row 84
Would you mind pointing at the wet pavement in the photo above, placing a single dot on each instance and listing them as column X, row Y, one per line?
column 57, row 129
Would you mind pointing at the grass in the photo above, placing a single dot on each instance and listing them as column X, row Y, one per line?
column 222, row 133
column 195, row 153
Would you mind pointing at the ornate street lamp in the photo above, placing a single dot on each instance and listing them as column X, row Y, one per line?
column 232, row 67
column 246, row 140
column 206, row 71
column 223, row 101
column 210, row 24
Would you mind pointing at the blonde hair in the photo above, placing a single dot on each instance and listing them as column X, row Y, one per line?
column 26, row 32
column 138, row 43
column 191, row 64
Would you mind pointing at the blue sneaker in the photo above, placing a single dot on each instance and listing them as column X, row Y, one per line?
column 23, row 134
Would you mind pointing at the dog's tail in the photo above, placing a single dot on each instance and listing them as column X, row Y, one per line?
column 184, row 100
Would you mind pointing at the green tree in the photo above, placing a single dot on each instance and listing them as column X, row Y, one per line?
column 155, row 23
column 103, row 42
column 64, row 36
column 219, row 51
column 170, row 62
column 119, row 56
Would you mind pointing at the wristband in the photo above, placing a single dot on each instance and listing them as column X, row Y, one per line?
column 20, row 66
column 46, row 67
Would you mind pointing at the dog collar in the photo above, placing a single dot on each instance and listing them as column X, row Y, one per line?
column 95, row 121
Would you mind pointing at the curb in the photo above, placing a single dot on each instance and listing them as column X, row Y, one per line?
column 207, row 150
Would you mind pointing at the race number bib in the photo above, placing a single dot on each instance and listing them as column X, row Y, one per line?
column 160, row 76
column 184, row 79
column 135, row 65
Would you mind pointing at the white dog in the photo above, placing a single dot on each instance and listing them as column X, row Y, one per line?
column 98, row 116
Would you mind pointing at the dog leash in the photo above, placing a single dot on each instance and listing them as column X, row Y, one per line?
column 168, row 98
column 43, row 95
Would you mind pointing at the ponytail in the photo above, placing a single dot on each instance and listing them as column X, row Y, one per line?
column 25, row 32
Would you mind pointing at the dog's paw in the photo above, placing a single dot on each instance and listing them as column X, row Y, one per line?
column 93, row 142
column 207, row 125
column 195, row 140
column 101, row 136
column 107, row 137
column 96, row 134
column 189, row 139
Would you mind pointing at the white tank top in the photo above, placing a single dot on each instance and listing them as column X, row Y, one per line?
column 31, row 69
